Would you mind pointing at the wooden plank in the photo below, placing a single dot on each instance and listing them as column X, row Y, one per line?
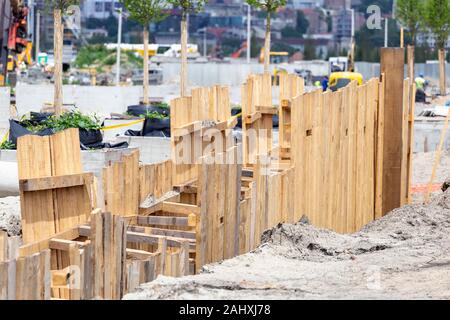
column 173, row 233
column 108, row 255
column 267, row 109
column 55, row 182
column 251, row 118
column 180, row 208
column 165, row 221
column 74, row 260
column 3, row 246
column 3, row 280
column 38, row 246
column 392, row 66
column 64, row 245
column 96, row 237
column 37, row 213
column 201, row 250
column 184, row 259
column 162, row 249
column 379, row 151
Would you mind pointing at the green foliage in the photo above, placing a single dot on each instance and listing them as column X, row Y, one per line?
column 63, row 5
column 99, row 56
column 188, row 6
column 230, row 45
column 437, row 20
column 409, row 14
column 154, row 115
column 369, row 42
column 309, row 51
column 302, row 24
column 255, row 48
column 164, row 105
column 290, row 32
column 73, row 119
column 7, row 145
column 269, row 6
column 146, row 11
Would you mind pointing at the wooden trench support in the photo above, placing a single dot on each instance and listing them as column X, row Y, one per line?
column 174, row 217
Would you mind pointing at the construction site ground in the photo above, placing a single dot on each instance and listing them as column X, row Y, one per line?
column 405, row 255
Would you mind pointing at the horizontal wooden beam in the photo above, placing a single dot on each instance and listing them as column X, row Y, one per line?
column 187, row 129
column 267, row 110
column 180, row 208
column 189, row 221
column 64, row 245
column 38, row 246
column 190, row 235
column 139, row 237
column 140, row 254
column 56, row 182
column 249, row 119
column 172, row 233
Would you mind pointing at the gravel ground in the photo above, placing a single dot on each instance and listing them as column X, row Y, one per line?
column 405, row 255
column 10, row 216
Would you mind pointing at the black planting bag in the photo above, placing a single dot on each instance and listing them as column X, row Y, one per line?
column 90, row 137
column 16, row 130
column 158, row 125
column 39, row 117
column 133, row 133
column 140, row 110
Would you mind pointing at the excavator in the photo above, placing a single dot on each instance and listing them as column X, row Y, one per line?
column 14, row 46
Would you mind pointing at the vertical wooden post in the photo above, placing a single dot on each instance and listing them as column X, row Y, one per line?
column 58, row 70
column 392, row 66
column 267, row 45
column 402, row 37
column 183, row 73
column 442, row 82
column 146, row 99
column 412, row 102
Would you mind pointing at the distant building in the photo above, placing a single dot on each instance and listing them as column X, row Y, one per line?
column 428, row 39
column 334, row 4
column 305, row 4
column 317, row 20
column 100, row 9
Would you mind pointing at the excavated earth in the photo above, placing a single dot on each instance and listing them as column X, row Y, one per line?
column 405, row 255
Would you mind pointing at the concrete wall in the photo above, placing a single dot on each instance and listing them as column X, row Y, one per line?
column 101, row 100
column 427, row 135
column 209, row 74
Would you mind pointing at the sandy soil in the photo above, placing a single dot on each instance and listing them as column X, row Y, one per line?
column 10, row 215
column 405, row 255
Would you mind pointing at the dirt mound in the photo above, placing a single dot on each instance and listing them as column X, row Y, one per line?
column 404, row 255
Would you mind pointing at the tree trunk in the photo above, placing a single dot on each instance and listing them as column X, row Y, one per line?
column 146, row 67
column 267, row 45
column 183, row 73
column 442, row 82
column 58, row 69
